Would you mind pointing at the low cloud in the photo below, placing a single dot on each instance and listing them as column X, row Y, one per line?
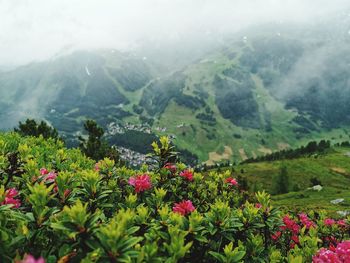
column 37, row 30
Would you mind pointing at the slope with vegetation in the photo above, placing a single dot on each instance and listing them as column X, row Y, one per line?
column 57, row 205
column 293, row 177
column 247, row 98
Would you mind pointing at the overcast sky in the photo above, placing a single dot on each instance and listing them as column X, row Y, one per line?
column 38, row 29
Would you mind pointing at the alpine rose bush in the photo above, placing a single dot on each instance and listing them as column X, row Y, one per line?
column 31, row 259
column 184, row 207
column 10, row 199
column 341, row 254
column 56, row 205
column 140, row 182
column 231, row 181
column 187, row 174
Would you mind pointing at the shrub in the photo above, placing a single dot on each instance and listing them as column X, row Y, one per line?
column 60, row 206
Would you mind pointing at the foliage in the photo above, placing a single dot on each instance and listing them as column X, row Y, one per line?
column 282, row 181
column 74, row 210
column 31, row 128
column 95, row 146
column 312, row 147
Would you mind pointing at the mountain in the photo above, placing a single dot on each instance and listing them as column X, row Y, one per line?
column 264, row 89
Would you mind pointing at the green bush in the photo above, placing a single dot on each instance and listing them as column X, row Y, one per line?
column 64, row 207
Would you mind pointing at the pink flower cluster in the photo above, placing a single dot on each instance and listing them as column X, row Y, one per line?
column 170, row 167
column 187, row 174
column 140, row 182
column 184, row 207
column 341, row 254
column 331, row 222
column 10, row 195
column 47, row 176
column 31, row 259
column 231, row 181
column 50, row 177
column 97, row 167
column 292, row 227
column 304, row 219
column 290, row 224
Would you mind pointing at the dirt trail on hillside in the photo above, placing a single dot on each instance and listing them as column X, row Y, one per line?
column 282, row 146
column 265, row 150
column 243, row 154
column 217, row 157
column 340, row 170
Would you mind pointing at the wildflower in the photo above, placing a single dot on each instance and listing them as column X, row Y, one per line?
column 258, row 205
column 329, row 222
column 170, row 167
column 65, row 193
column 334, row 255
column 51, row 177
column 47, row 176
column 11, row 193
column 140, row 182
column 9, row 198
column 31, row 259
column 343, row 251
column 324, row 256
column 341, row 223
column 184, row 207
column 290, row 224
column 44, row 171
column 295, row 239
column 97, row 167
column 187, row 174
column 276, row 236
column 231, row 181
column 304, row 219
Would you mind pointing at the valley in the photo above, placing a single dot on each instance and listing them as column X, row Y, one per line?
column 232, row 104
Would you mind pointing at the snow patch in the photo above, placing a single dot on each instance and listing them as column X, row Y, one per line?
column 87, row 71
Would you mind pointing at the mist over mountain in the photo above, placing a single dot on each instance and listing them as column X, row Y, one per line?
column 240, row 91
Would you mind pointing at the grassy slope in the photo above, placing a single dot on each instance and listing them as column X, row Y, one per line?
column 336, row 183
column 196, row 140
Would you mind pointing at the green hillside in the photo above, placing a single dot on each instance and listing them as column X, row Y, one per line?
column 57, row 205
column 331, row 169
column 248, row 98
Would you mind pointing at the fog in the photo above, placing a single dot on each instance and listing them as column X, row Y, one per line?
column 37, row 30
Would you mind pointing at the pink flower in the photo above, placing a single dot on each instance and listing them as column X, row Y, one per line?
column 140, row 182
column 325, row 256
column 171, row 167
column 341, row 223
column 65, row 193
column 276, row 236
column 290, row 224
column 44, row 171
column 340, row 254
column 258, row 205
column 97, row 167
column 9, row 198
column 187, row 174
column 231, row 181
column 47, row 176
column 11, row 201
column 184, row 207
column 51, row 177
column 304, row 219
column 11, row 193
column 295, row 239
column 31, row 259
column 343, row 251
column 329, row 222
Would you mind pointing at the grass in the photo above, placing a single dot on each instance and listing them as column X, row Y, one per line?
column 336, row 182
